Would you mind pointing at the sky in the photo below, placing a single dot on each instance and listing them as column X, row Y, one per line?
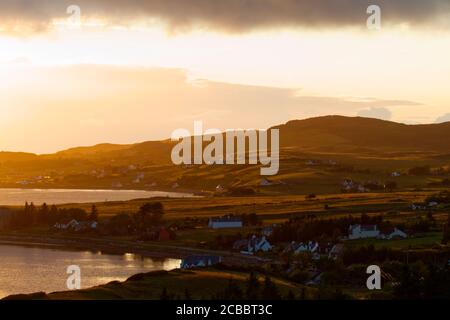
column 83, row 72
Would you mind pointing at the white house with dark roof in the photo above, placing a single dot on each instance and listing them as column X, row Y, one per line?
column 226, row 222
column 311, row 246
column 394, row 233
column 256, row 244
column 268, row 230
column 265, row 182
column 200, row 261
column 358, row 231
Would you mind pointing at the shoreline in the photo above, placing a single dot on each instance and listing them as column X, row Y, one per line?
column 120, row 247
column 117, row 195
column 99, row 188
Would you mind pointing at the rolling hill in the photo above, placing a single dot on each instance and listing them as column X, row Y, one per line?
column 360, row 148
column 337, row 133
column 346, row 133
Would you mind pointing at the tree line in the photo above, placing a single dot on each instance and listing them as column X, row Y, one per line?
column 44, row 215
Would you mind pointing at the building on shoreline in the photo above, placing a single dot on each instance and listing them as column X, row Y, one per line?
column 200, row 261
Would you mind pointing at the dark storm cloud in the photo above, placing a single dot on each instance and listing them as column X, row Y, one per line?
column 233, row 15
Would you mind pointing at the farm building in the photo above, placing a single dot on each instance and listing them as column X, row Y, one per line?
column 200, row 261
column 226, row 222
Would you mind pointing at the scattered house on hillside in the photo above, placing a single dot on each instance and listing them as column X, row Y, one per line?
column 164, row 234
column 312, row 162
column 331, row 162
column 395, row 174
column 267, row 231
column 240, row 245
column 330, row 250
column 140, row 176
column 315, row 162
column 86, row 225
column 348, row 184
column 393, row 233
column 265, row 182
column 72, row 225
column 200, row 261
column 23, row 182
column 225, row 222
column 151, row 185
column 77, row 226
column 219, row 188
column 362, row 189
column 359, row 231
column 371, row 231
column 157, row 234
column 432, row 204
column 336, row 251
column 311, row 246
column 290, row 247
column 257, row 244
column 417, row 206
column 315, row 278
column 59, row 226
column 116, row 185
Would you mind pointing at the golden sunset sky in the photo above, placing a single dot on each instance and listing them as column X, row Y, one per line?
column 131, row 71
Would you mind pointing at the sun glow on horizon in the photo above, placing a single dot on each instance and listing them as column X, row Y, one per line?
column 346, row 68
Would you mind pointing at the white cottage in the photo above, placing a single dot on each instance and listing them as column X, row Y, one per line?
column 223, row 223
column 311, row 246
column 394, row 234
column 358, row 231
column 256, row 244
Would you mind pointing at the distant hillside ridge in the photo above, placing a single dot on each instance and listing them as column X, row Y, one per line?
column 328, row 133
column 357, row 133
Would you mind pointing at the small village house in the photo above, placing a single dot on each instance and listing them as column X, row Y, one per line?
column 225, row 222
column 257, row 244
column 265, row 182
column 359, row 231
column 311, row 246
column 416, row 206
column 336, row 251
column 164, row 234
column 200, row 261
column 372, row 231
column 393, row 233
column 157, row 234
column 268, row 230
column 77, row 226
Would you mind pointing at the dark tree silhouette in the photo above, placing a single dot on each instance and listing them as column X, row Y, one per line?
column 93, row 216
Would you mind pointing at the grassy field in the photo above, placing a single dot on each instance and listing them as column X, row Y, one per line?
column 269, row 207
column 395, row 207
column 417, row 242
